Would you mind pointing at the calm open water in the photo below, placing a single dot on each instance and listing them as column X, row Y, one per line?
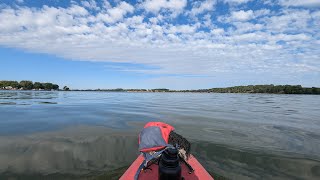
column 63, row 135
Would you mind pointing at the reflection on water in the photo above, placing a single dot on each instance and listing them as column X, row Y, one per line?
column 79, row 151
column 63, row 135
column 72, row 151
column 27, row 97
column 248, row 164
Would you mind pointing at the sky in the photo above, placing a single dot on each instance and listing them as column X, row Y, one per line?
column 176, row 44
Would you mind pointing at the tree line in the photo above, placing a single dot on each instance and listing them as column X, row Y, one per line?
column 28, row 85
column 272, row 89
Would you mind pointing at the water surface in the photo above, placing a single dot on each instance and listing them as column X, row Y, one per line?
column 64, row 135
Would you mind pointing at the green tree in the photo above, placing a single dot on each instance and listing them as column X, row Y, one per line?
column 66, row 88
column 47, row 86
column 13, row 84
column 55, row 86
column 26, row 85
column 38, row 85
column 315, row 90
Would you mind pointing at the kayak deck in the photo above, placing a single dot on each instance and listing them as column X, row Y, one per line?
column 152, row 173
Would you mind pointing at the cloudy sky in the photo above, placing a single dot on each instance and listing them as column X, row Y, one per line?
column 175, row 44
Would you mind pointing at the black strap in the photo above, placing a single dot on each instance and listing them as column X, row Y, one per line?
column 187, row 164
column 136, row 176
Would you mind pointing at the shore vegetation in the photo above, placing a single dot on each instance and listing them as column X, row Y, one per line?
column 267, row 89
column 27, row 85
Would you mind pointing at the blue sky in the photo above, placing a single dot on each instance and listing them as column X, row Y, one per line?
column 176, row 44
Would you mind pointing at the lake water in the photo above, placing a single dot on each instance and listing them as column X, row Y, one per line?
column 63, row 135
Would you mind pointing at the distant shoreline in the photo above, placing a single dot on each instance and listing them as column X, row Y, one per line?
column 250, row 89
column 172, row 91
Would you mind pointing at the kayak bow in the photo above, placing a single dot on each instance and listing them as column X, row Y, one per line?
column 199, row 172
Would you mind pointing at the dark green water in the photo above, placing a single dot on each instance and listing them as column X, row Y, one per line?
column 93, row 135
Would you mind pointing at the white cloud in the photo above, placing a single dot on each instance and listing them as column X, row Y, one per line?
column 202, row 6
column 74, row 10
column 90, row 4
column 207, row 22
column 185, row 29
column 236, row 2
column 241, row 15
column 116, row 13
column 304, row 3
column 243, row 27
column 217, row 31
column 236, row 16
column 261, row 12
column 269, row 2
column 275, row 42
column 155, row 6
column 106, row 4
column 289, row 21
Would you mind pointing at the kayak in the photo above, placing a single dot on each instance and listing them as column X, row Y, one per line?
column 198, row 172
column 165, row 154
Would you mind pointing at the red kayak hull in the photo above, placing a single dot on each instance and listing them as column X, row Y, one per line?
column 199, row 171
